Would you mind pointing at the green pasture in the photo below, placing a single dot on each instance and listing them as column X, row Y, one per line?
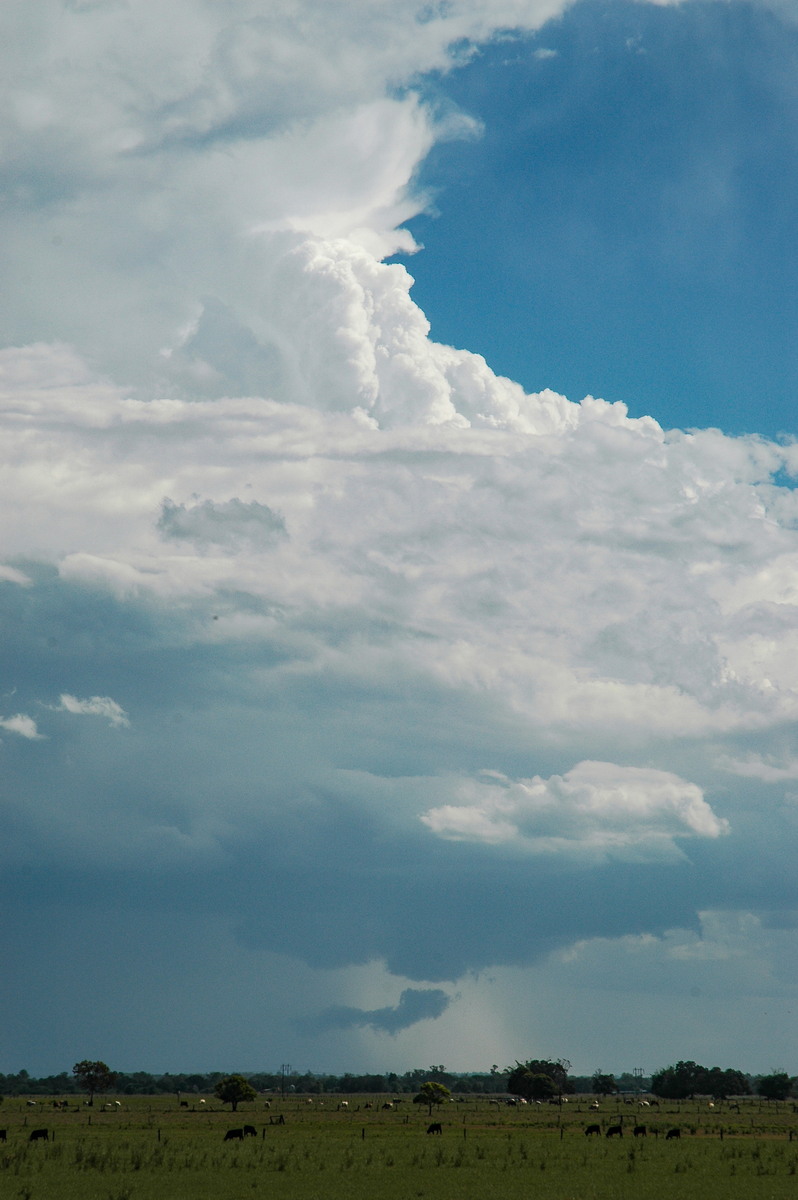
column 152, row 1148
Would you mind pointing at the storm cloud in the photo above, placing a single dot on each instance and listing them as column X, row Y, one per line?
column 336, row 667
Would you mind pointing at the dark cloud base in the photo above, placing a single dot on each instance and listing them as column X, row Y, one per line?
column 415, row 1004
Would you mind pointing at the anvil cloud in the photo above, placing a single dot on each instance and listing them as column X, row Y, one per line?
column 336, row 666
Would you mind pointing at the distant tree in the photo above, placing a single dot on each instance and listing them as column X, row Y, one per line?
column 678, row 1082
column 432, row 1093
column 538, row 1087
column 687, row 1079
column 521, row 1077
column 603, row 1085
column 233, row 1089
column 774, row 1087
column 93, row 1077
column 722, row 1084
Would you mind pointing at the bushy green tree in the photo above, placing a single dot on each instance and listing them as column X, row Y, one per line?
column 93, row 1076
column 234, row 1089
column 432, row 1093
column 774, row 1087
column 603, row 1085
column 521, row 1078
column 687, row 1079
column 722, row 1084
column 677, row 1082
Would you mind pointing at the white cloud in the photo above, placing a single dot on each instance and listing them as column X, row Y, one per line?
column 23, row 725
column 599, row 810
column 143, row 148
column 12, row 575
column 95, row 706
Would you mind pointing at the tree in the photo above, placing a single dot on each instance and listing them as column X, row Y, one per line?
column 774, row 1087
column 538, row 1087
column 233, row 1089
column 603, row 1085
column 689, row 1079
column 432, row 1093
column 521, row 1077
column 722, row 1084
column 93, row 1077
column 678, row 1082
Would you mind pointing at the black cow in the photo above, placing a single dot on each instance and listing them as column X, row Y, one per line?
column 614, row 1131
column 673, row 1133
column 3, row 1135
column 234, row 1135
column 639, row 1131
column 250, row 1131
column 39, row 1135
column 435, row 1127
column 591, row 1129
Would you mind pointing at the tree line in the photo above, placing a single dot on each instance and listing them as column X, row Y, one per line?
column 536, row 1079
column 544, row 1079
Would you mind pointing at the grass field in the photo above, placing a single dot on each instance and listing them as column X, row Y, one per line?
column 151, row 1148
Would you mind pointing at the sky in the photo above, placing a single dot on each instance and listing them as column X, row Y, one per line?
column 399, row 570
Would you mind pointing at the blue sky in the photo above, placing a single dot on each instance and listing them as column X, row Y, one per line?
column 624, row 225
column 397, row 673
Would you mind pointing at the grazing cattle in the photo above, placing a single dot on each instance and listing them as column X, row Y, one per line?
column 268, row 1103
column 250, row 1131
column 234, row 1135
column 202, row 1102
column 3, row 1135
column 645, row 1104
column 673, row 1133
column 343, row 1104
column 31, row 1103
column 39, row 1135
column 183, row 1104
column 591, row 1129
column 595, row 1104
column 387, row 1105
column 435, row 1127
column 639, row 1131
column 614, row 1131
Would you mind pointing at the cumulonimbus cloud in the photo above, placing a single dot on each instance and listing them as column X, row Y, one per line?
column 381, row 568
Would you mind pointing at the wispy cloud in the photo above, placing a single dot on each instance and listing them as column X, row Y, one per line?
column 94, row 706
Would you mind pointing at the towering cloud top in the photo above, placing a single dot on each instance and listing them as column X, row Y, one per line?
column 364, row 624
